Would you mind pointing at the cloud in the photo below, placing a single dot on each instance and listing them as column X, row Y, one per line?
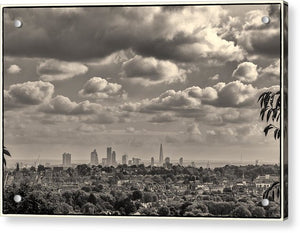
column 85, row 128
column 223, row 116
column 55, row 70
column 236, row 94
column 215, row 77
column 102, row 118
column 193, row 129
column 149, row 71
column 250, row 36
column 13, row 69
column 85, row 111
column 185, row 34
column 271, row 73
column 195, row 101
column 246, row 72
column 28, row 93
column 130, row 130
column 63, row 105
column 114, row 58
column 162, row 118
column 99, row 88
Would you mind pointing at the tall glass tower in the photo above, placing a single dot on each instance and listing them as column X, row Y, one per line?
column 161, row 155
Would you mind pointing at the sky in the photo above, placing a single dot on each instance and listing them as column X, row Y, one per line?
column 83, row 78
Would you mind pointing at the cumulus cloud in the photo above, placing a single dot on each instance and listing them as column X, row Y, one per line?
column 85, row 111
column 55, row 70
column 63, row 105
column 186, row 34
column 236, row 94
column 28, row 93
column 246, row 72
column 99, row 88
column 13, row 69
column 149, row 71
column 250, row 36
column 162, row 118
column 193, row 101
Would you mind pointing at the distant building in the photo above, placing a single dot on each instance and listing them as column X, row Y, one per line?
column 108, row 156
column 94, row 157
column 161, row 155
column 129, row 162
column 193, row 164
column 124, row 159
column 265, row 181
column 113, row 158
column 104, row 161
column 167, row 160
column 152, row 161
column 181, row 161
column 66, row 159
column 136, row 161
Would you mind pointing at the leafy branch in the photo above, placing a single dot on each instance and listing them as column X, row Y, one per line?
column 270, row 103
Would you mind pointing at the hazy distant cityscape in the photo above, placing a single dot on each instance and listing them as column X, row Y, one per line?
column 112, row 159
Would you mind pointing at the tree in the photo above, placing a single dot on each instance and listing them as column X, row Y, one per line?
column 5, row 153
column 40, row 168
column 241, row 212
column 92, row 199
column 163, row 211
column 136, row 195
column 270, row 104
column 258, row 212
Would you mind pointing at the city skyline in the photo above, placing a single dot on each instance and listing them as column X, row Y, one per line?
column 107, row 160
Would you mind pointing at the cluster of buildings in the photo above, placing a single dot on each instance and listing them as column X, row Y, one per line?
column 111, row 159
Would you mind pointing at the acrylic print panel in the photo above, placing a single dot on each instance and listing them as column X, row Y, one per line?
column 142, row 111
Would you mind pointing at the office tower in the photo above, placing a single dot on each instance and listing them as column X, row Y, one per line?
column 193, row 164
column 66, row 159
column 167, row 160
column 136, row 161
column 181, row 161
column 108, row 153
column 104, row 162
column 129, row 162
column 124, row 159
column 94, row 157
column 161, row 155
column 113, row 158
column 152, row 161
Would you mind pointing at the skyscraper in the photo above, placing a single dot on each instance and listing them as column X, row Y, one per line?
column 113, row 158
column 124, row 159
column 108, row 158
column 152, row 161
column 104, row 162
column 94, row 157
column 66, row 159
column 181, row 161
column 161, row 155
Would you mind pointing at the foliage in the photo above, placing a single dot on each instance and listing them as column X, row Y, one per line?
column 270, row 111
column 5, row 153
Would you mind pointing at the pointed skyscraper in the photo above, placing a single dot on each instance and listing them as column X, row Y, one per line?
column 161, row 155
